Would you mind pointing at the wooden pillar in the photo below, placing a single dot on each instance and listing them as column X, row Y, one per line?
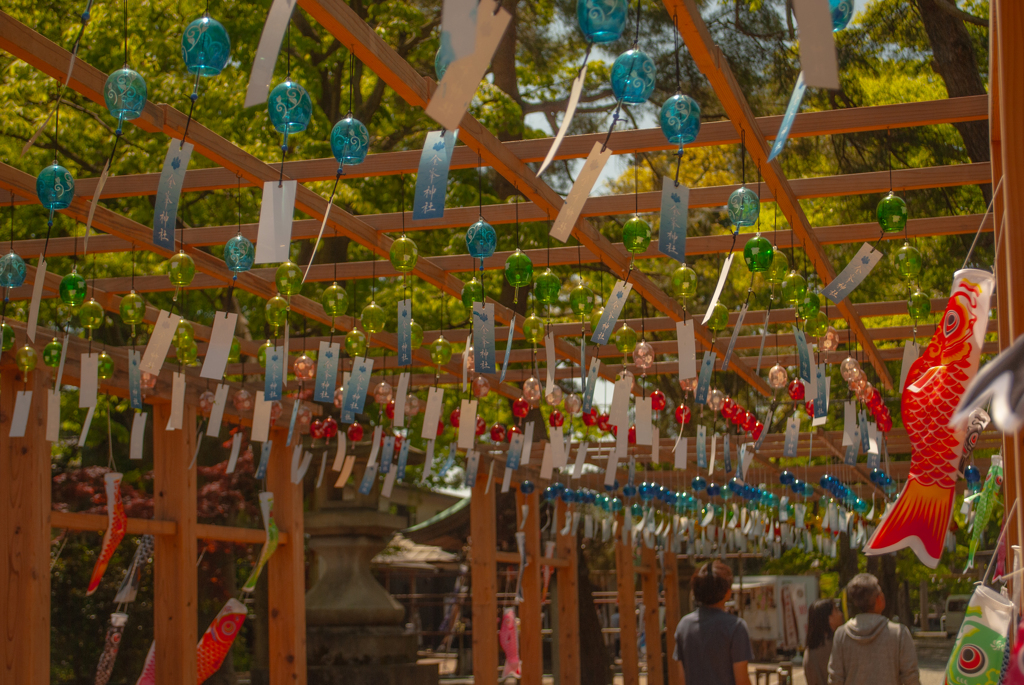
column 484, row 580
column 673, row 611
column 25, row 534
column 1007, row 114
column 652, row 622
column 531, row 645
column 286, row 572
column 175, row 601
column 567, row 669
column 626, row 586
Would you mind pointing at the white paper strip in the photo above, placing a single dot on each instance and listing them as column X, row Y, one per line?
column 339, row 455
column 138, row 435
column 581, row 458
column 389, row 483
column 687, row 349
column 718, row 288
column 549, row 362
column 274, row 235
column 644, row 425
column 618, row 412
column 90, row 380
column 452, row 97
column 428, row 462
column 580, row 191
column 818, row 59
column 346, row 471
column 546, row 463
column 260, row 418
column 216, row 360
column 19, row 419
column 467, row 424
column 177, row 416
column 714, row 450
column 849, row 423
column 159, row 342
column 680, row 452
column 558, row 453
column 53, row 415
column 92, row 205
column 506, row 480
column 432, row 414
column 458, row 29
column 60, row 366
column 85, row 426
column 656, row 446
column 911, row 351
column 220, row 402
column 570, row 110
column 37, row 298
column 400, row 397
column 609, row 469
column 266, row 53
column 236, row 448
column 524, row 459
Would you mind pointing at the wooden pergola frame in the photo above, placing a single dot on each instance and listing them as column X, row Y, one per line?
column 24, row 463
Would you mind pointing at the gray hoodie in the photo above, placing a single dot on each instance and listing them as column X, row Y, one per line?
column 869, row 650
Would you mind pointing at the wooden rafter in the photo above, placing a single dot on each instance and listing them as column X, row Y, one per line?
column 829, row 122
column 345, row 25
column 557, row 256
column 713, row 64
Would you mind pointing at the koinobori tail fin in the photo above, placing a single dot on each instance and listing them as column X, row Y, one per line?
column 919, row 521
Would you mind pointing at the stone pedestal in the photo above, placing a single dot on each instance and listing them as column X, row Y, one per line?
column 355, row 630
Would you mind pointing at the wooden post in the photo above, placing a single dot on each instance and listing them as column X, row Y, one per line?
column 286, row 572
column 175, row 600
column 25, row 534
column 673, row 611
column 484, row 579
column 652, row 622
column 567, row 670
column 531, row 646
column 626, row 586
column 1007, row 113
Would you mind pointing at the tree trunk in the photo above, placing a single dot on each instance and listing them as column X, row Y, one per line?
column 953, row 59
column 884, row 568
column 847, row 560
column 595, row 662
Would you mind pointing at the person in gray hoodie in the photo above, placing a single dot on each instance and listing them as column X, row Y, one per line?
column 868, row 649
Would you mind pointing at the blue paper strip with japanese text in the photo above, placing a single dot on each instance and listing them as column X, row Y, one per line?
column 168, row 191
column 432, row 178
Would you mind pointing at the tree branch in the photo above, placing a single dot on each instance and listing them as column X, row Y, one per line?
column 560, row 105
column 949, row 7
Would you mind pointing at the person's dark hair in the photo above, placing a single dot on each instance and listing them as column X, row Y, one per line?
column 819, row 630
column 711, row 582
column 861, row 593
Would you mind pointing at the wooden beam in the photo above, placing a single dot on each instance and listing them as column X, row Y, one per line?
column 343, row 22
column 531, row 645
column 52, row 59
column 204, row 531
column 673, row 612
column 484, row 578
column 25, row 534
column 175, row 601
column 567, row 659
column 625, row 584
column 829, row 122
column 286, row 572
column 713, row 64
column 652, row 616
column 541, row 257
column 1008, row 101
